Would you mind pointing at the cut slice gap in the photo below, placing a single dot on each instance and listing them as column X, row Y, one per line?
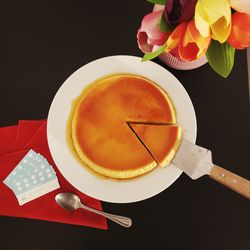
column 161, row 140
column 150, row 123
column 142, row 142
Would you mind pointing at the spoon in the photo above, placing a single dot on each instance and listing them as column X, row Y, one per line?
column 70, row 201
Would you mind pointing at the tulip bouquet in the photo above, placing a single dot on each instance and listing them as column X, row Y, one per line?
column 190, row 29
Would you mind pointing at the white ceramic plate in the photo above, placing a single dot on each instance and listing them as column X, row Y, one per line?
column 110, row 190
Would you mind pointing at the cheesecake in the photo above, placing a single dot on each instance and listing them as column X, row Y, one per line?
column 123, row 126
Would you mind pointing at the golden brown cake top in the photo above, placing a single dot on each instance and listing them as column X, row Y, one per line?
column 101, row 136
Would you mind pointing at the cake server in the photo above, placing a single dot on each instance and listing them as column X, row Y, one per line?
column 196, row 161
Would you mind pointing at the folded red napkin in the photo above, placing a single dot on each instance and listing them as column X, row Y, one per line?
column 25, row 132
column 15, row 143
column 7, row 138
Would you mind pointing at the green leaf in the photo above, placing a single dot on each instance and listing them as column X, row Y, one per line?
column 152, row 55
column 163, row 26
column 161, row 2
column 221, row 57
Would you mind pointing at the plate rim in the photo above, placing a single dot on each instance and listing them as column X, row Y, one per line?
column 66, row 83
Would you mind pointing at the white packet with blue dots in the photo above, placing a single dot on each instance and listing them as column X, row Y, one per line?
column 31, row 178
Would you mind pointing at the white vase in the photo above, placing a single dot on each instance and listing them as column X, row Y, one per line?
column 175, row 62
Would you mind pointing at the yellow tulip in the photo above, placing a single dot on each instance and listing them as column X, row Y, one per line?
column 242, row 6
column 213, row 16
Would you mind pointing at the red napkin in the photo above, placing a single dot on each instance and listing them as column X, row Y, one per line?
column 25, row 132
column 7, row 138
column 32, row 134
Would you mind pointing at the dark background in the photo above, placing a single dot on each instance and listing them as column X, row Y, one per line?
column 42, row 43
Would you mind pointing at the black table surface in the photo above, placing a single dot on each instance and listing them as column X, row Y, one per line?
column 43, row 42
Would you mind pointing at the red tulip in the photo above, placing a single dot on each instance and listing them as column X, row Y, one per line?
column 239, row 37
column 178, row 11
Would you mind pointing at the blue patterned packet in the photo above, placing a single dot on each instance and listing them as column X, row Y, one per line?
column 31, row 178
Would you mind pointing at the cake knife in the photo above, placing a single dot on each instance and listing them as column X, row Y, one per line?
column 196, row 161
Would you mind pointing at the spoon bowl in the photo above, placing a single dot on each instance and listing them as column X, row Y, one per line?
column 68, row 201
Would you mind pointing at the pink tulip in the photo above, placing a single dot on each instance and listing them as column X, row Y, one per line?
column 149, row 36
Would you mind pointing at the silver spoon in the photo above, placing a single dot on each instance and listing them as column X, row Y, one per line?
column 70, row 201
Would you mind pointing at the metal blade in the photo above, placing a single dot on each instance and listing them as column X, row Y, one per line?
column 194, row 160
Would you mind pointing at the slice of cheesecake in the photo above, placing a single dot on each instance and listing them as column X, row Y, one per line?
column 161, row 140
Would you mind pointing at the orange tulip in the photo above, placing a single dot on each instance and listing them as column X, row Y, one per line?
column 186, row 42
column 239, row 37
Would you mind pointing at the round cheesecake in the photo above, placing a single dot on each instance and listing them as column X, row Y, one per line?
column 102, row 126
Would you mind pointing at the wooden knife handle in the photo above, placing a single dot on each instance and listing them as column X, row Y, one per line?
column 231, row 180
